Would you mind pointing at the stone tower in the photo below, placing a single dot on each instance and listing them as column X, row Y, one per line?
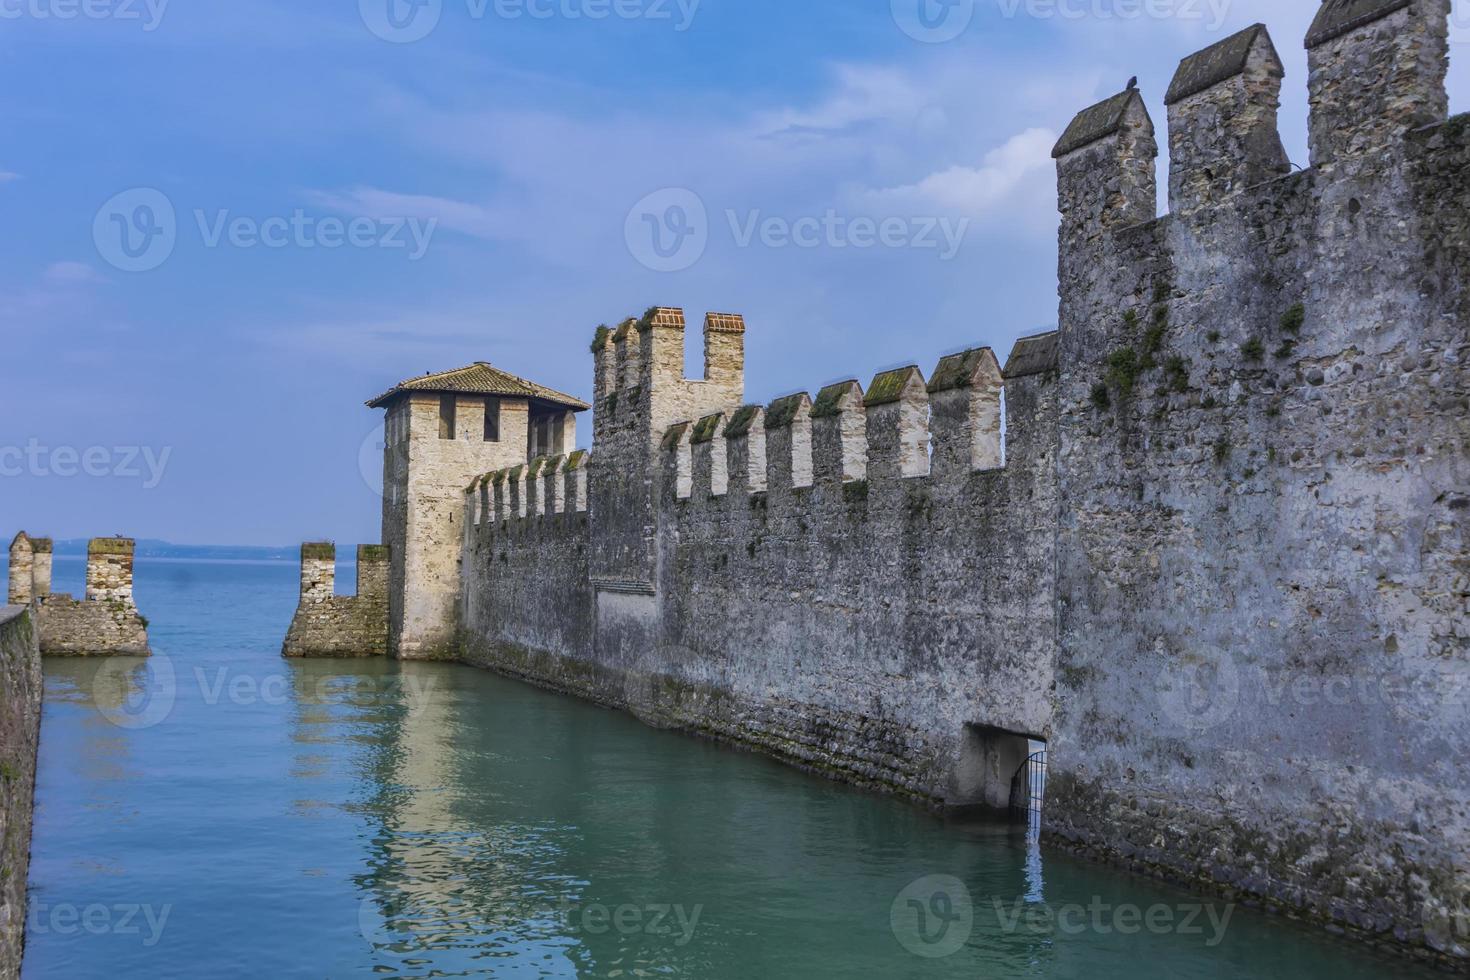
column 640, row 390
column 440, row 432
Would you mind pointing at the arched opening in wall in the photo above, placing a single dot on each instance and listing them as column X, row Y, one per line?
column 996, row 772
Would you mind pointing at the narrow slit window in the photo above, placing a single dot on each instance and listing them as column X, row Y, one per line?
column 446, row 416
column 492, row 420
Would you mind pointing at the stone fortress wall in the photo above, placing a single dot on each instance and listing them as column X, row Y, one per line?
column 105, row 622
column 329, row 625
column 1233, row 486
column 1264, row 632
column 20, row 729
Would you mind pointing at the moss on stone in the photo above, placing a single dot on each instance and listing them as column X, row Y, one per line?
column 829, row 399
column 1124, row 367
column 1253, row 349
column 600, row 339
column 645, row 322
column 742, row 421
column 958, row 370
column 888, row 387
column 1293, row 319
column 782, row 412
column 109, row 546
column 674, row 436
column 319, row 551
column 706, row 429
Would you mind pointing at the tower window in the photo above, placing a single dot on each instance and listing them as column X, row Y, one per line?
column 446, row 416
column 492, row 420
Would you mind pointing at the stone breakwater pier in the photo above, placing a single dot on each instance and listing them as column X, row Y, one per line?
column 105, row 622
column 1163, row 539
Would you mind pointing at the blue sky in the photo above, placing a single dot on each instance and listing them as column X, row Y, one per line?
column 235, row 371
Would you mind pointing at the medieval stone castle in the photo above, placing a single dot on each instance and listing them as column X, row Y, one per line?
column 1207, row 540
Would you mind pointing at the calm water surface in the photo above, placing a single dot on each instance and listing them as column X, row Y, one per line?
column 269, row 819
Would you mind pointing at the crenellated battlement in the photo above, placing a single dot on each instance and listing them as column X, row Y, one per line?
column 104, row 622
column 901, row 429
column 329, row 625
column 545, row 487
column 1377, row 72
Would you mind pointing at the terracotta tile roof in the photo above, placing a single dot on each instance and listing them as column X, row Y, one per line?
column 480, row 378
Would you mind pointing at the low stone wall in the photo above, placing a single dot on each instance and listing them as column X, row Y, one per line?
column 104, row 624
column 90, row 628
column 20, row 727
column 329, row 625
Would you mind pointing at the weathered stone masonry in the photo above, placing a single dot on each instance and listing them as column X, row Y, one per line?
column 801, row 578
column 1262, row 473
column 1288, row 495
column 20, row 728
column 106, row 622
column 1219, row 566
column 329, row 625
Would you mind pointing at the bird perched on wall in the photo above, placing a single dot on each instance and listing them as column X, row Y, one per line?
column 1133, row 83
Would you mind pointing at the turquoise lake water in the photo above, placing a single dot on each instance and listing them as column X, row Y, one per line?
column 258, row 818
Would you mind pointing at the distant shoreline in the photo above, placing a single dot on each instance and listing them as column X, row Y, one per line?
column 163, row 551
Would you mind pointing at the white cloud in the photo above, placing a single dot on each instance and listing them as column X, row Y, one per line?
column 980, row 191
column 6, row 176
column 372, row 202
column 862, row 96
